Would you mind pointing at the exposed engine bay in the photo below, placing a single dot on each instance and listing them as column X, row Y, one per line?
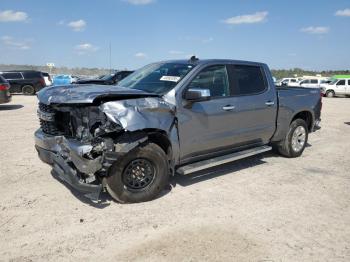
column 85, row 140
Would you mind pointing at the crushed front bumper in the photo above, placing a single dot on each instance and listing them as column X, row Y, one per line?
column 66, row 158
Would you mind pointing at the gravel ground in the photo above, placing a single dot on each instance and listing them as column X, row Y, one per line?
column 265, row 208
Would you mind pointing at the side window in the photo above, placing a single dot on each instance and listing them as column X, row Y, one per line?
column 341, row 83
column 247, row 80
column 314, row 81
column 30, row 75
column 215, row 79
column 13, row 75
column 293, row 80
column 349, row 82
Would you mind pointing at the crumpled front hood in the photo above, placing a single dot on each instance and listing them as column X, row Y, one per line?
column 86, row 94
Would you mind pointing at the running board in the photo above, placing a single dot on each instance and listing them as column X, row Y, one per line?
column 190, row 168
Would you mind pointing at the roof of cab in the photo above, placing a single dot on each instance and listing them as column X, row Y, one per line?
column 213, row 61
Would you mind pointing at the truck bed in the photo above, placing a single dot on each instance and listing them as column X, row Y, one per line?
column 295, row 99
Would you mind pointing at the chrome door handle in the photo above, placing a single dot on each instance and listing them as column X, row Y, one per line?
column 269, row 103
column 228, row 108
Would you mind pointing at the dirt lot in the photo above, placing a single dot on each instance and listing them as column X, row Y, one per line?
column 264, row 208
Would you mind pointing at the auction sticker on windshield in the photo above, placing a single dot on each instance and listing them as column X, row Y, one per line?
column 170, row 78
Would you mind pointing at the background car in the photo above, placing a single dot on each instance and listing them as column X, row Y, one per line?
column 27, row 82
column 313, row 82
column 64, row 80
column 288, row 82
column 5, row 95
column 111, row 79
column 336, row 87
column 47, row 78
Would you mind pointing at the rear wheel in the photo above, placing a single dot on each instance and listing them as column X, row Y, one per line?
column 295, row 141
column 330, row 93
column 139, row 176
column 28, row 90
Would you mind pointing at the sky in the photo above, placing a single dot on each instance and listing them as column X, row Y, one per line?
column 313, row 35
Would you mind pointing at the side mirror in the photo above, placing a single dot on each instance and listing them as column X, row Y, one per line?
column 197, row 94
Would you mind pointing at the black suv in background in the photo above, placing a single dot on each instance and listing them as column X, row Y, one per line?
column 27, row 82
column 111, row 79
column 5, row 95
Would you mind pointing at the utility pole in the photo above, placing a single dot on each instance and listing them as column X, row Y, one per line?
column 110, row 58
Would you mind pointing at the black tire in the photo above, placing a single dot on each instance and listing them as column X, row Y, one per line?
column 286, row 147
column 28, row 90
column 117, row 184
column 330, row 93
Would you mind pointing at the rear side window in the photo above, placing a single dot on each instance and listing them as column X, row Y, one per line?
column 293, row 80
column 349, row 82
column 314, row 81
column 31, row 74
column 13, row 75
column 215, row 79
column 247, row 80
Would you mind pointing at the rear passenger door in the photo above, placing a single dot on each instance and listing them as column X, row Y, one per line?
column 255, row 103
column 314, row 83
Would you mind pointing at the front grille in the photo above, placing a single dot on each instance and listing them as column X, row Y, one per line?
column 49, row 128
column 50, row 120
column 46, row 108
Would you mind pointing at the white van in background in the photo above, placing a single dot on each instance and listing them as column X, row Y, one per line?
column 288, row 82
column 313, row 82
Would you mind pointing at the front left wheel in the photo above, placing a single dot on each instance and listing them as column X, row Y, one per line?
column 140, row 175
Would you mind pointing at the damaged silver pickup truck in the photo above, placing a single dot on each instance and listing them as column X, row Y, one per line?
column 166, row 118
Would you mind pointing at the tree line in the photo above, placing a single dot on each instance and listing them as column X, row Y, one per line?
column 84, row 71
column 298, row 72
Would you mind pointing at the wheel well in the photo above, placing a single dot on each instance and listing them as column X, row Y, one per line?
column 27, row 85
column 306, row 116
column 160, row 138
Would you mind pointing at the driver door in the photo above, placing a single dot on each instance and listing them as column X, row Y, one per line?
column 206, row 126
column 341, row 87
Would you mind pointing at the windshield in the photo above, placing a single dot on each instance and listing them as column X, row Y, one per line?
column 106, row 77
column 157, row 78
column 333, row 82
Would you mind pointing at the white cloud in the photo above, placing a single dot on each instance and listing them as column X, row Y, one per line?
column 140, row 2
column 12, row 16
column 175, row 52
column 85, row 48
column 315, row 30
column 140, row 55
column 10, row 42
column 257, row 17
column 344, row 12
column 78, row 25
